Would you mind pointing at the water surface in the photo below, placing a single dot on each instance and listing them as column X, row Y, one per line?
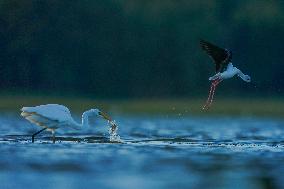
column 155, row 152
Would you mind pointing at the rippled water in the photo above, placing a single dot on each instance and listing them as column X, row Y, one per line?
column 155, row 152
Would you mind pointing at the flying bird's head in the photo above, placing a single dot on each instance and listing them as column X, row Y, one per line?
column 247, row 78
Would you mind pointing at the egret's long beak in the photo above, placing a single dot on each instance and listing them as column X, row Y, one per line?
column 105, row 116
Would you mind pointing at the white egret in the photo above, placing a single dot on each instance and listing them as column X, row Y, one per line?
column 224, row 68
column 53, row 116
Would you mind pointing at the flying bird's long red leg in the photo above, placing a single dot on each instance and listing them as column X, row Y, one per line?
column 206, row 106
column 211, row 94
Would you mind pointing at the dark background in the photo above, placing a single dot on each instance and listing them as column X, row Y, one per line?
column 131, row 48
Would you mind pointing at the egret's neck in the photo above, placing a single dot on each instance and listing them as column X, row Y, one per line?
column 85, row 119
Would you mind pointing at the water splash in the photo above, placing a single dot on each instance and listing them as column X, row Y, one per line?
column 114, row 136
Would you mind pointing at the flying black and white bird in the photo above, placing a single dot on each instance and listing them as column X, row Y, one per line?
column 224, row 68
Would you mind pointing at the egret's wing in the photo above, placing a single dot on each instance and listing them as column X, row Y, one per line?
column 52, row 112
column 220, row 56
column 39, row 119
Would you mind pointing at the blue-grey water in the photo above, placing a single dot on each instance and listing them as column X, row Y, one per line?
column 155, row 152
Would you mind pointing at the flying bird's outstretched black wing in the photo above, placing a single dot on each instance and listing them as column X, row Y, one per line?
column 221, row 57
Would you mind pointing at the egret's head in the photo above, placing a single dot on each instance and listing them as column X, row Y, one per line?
column 95, row 112
column 247, row 78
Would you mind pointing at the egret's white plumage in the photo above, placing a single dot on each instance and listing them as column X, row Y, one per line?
column 54, row 116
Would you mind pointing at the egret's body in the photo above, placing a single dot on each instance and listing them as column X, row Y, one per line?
column 53, row 116
column 224, row 68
